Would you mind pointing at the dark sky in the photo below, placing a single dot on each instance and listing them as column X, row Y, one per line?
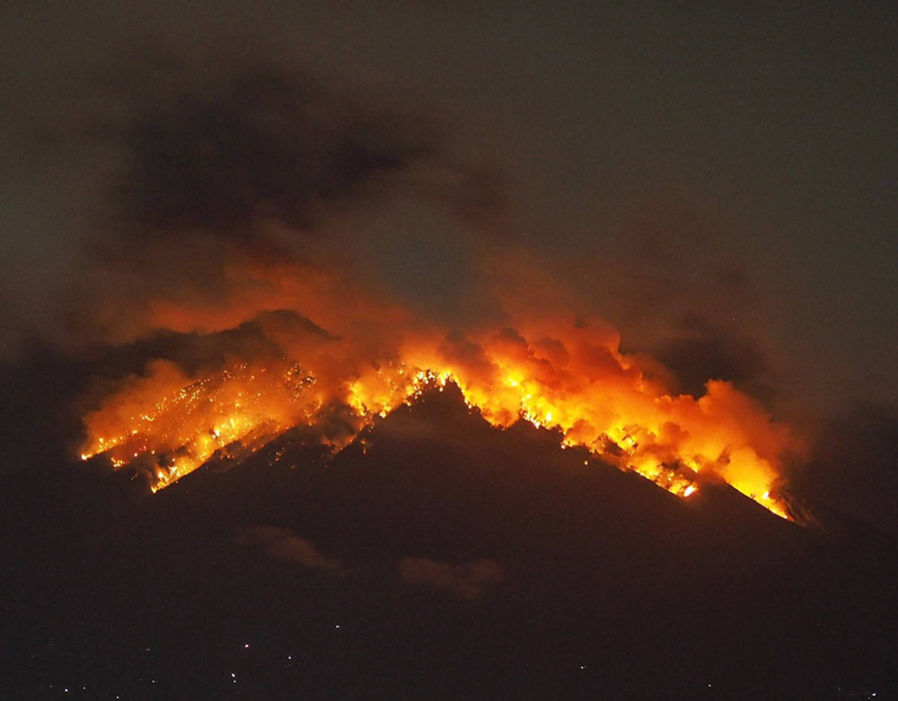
column 717, row 182
column 761, row 136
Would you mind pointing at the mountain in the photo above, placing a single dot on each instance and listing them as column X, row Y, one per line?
column 435, row 558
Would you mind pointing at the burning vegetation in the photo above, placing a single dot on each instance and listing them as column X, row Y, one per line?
column 259, row 201
column 570, row 378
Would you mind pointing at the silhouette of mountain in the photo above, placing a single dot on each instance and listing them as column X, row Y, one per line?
column 437, row 558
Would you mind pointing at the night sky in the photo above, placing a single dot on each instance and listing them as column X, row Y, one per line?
column 759, row 141
column 717, row 183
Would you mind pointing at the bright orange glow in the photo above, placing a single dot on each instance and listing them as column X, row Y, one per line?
column 569, row 378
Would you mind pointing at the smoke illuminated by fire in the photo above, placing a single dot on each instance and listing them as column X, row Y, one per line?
column 295, row 243
column 567, row 377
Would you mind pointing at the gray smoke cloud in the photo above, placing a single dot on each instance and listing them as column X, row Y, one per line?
column 467, row 580
column 283, row 544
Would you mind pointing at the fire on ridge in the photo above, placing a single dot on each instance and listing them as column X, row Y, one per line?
column 571, row 378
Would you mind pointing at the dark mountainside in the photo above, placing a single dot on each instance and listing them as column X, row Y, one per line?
column 435, row 558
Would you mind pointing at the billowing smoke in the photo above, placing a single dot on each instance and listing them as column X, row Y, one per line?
column 247, row 190
column 289, row 256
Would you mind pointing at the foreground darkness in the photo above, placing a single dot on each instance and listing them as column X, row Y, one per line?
column 609, row 586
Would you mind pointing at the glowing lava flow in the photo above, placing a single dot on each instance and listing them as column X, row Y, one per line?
column 574, row 381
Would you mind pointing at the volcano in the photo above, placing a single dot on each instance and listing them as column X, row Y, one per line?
column 435, row 557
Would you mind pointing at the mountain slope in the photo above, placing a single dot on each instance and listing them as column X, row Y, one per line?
column 438, row 557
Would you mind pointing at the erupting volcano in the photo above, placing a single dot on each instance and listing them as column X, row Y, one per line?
column 571, row 378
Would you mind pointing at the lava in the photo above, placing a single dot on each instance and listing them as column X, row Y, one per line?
column 571, row 378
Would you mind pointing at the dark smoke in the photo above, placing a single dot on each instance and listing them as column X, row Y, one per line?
column 853, row 466
column 703, row 351
column 262, row 145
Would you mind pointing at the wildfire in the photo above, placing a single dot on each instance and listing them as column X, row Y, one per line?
column 568, row 378
column 174, row 427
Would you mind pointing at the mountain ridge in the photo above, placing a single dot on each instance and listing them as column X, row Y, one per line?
column 439, row 557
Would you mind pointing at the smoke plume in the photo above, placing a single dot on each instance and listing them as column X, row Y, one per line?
column 287, row 255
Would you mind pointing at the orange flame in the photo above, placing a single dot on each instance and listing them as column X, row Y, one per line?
column 570, row 378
